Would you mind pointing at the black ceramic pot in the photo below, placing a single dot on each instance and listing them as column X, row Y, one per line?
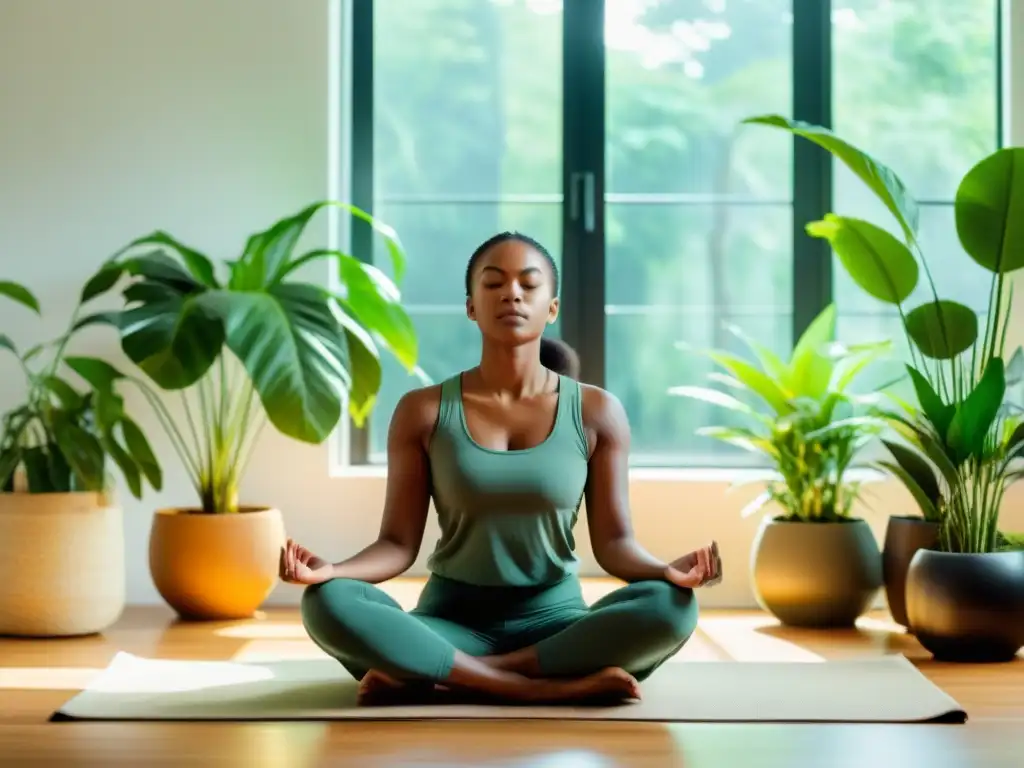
column 967, row 607
column 903, row 537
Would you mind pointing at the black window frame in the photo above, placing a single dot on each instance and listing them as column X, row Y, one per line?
column 583, row 317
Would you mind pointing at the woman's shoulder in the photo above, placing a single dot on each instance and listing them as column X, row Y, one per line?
column 416, row 411
column 602, row 410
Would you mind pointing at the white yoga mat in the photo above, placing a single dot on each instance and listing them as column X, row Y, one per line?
column 886, row 689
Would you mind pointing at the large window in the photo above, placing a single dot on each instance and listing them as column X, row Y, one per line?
column 609, row 130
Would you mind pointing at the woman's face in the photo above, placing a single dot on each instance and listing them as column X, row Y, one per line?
column 512, row 297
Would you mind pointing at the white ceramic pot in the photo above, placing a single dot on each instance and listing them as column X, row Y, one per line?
column 62, row 570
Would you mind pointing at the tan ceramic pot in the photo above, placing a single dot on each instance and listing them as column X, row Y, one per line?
column 62, row 570
column 215, row 566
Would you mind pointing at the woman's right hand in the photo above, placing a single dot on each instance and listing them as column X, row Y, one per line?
column 300, row 566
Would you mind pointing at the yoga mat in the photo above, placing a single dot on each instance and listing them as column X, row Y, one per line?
column 886, row 689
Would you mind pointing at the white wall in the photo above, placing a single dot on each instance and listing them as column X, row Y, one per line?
column 210, row 118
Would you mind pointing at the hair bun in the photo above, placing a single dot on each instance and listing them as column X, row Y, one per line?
column 559, row 357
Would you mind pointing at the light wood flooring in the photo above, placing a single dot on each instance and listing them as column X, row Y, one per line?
column 37, row 676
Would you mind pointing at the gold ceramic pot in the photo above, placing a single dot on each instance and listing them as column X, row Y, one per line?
column 216, row 566
column 62, row 570
column 816, row 574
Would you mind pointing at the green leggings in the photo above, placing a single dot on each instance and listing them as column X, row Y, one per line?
column 637, row 627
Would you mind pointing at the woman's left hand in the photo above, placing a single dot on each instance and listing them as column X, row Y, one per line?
column 700, row 568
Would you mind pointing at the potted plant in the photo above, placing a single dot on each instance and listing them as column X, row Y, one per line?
column 62, row 568
column 813, row 563
column 242, row 346
column 964, row 593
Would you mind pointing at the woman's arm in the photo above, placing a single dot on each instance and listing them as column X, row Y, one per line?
column 607, row 491
column 407, row 499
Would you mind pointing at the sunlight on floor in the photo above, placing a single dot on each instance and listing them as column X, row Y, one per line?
column 46, row 678
column 740, row 640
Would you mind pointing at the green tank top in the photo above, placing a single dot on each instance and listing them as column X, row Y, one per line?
column 507, row 517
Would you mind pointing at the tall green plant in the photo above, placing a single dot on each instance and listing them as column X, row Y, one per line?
column 960, row 440
column 801, row 414
column 256, row 345
column 63, row 437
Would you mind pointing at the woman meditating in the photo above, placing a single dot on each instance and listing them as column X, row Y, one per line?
column 507, row 451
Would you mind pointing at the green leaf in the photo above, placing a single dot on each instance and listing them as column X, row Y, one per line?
column 938, row 413
column 99, row 373
column 1013, row 445
column 373, row 300
column 37, row 470
column 741, row 438
column 942, row 329
column 810, row 367
column 69, row 397
column 364, row 365
column 294, row 350
column 170, row 335
column 988, row 206
column 6, row 343
column 98, row 318
column 102, row 281
column 141, row 451
column 83, row 452
column 20, row 294
column 880, row 264
column 755, row 380
column 976, row 414
column 61, row 476
column 928, row 508
column 1015, row 368
column 715, row 397
column 772, row 363
column 200, row 268
column 918, row 468
column 124, row 461
column 10, row 458
column 879, row 178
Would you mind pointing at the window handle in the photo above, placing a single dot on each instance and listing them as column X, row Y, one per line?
column 589, row 212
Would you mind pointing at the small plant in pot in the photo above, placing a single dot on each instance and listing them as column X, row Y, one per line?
column 814, row 564
column 62, row 569
column 239, row 350
column 959, row 442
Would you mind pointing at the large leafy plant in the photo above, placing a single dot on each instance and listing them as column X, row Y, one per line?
column 801, row 414
column 250, row 343
column 957, row 445
column 64, row 436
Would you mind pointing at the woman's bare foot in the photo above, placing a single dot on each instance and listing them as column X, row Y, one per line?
column 611, row 684
column 378, row 689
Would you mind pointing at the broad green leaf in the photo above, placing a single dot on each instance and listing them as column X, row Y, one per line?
column 108, row 407
column 68, row 396
column 174, row 339
column 295, row 352
column 918, row 468
column 756, row 380
column 124, row 461
column 868, row 424
column 942, row 329
column 880, row 264
column 141, row 451
column 37, row 470
column 938, row 413
column 988, row 207
column 931, row 445
column 848, row 368
column 364, row 366
column 373, row 300
column 102, row 281
column 20, row 294
column 268, row 255
column 741, row 438
column 99, row 373
column 82, row 451
column 928, row 508
column 61, row 476
column 879, row 178
column 976, row 414
column 810, row 366
column 98, row 318
column 200, row 268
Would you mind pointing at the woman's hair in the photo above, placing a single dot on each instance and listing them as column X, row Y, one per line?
column 554, row 353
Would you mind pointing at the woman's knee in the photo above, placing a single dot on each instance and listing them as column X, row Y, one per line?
column 670, row 609
column 327, row 608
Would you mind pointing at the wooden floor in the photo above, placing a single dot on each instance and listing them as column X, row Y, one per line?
column 36, row 677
